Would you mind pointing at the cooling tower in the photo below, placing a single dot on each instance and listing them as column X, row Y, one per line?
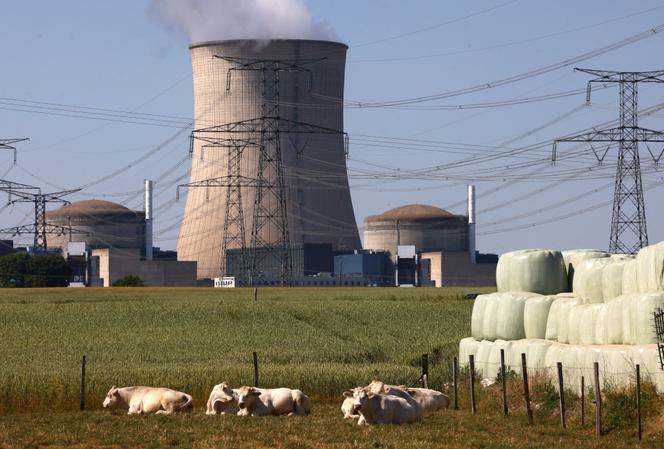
column 235, row 84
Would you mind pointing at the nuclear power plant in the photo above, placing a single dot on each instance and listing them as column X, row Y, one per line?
column 268, row 154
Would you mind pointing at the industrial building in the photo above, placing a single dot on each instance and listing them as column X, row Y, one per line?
column 241, row 195
column 107, row 241
column 429, row 246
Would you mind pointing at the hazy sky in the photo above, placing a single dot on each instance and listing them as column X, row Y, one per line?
column 121, row 56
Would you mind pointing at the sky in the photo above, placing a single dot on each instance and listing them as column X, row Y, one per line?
column 103, row 91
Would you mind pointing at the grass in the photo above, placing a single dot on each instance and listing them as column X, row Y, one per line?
column 320, row 340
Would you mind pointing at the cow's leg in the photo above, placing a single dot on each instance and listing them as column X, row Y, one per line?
column 135, row 409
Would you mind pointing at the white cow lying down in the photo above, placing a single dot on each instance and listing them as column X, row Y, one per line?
column 223, row 400
column 430, row 400
column 148, row 400
column 277, row 401
column 376, row 408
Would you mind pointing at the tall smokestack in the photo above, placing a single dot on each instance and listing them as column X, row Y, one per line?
column 148, row 219
column 471, row 223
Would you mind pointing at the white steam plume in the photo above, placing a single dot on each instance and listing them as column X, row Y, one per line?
column 207, row 20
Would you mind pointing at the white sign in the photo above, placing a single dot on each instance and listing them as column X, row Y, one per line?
column 225, row 282
column 406, row 251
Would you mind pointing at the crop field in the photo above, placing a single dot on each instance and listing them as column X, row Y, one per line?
column 322, row 341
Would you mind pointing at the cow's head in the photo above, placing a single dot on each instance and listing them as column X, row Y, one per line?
column 246, row 396
column 113, row 398
column 222, row 395
column 361, row 397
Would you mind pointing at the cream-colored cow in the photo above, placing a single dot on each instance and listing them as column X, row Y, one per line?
column 348, row 406
column 376, row 408
column 148, row 400
column 430, row 400
column 277, row 401
column 223, row 400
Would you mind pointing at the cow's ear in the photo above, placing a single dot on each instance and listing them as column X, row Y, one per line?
column 347, row 394
column 113, row 388
column 254, row 392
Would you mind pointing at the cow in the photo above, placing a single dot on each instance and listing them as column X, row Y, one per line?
column 348, row 407
column 376, row 408
column 148, row 400
column 223, row 400
column 430, row 400
column 277, row 401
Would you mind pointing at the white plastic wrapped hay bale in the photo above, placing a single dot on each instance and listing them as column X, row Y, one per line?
column 616, row 366
column 630, row 283
column 609, row 325
column 587, row 284
column 628, row 315
column 490, row 319
column 612, row 276
column 510, row 317
column 477, row 317
column 648, row 359
column 536, row 316
column 650, row 268
column 555, row 311
column 565, row 308
column 493, row 362
column 532, row 270
column 573, row 257
column 582, row 321
column 643, row 326
column 482, row 358
column 467, row 346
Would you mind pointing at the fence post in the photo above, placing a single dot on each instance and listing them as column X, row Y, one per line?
column 598, row 401
column 583, row 401
column 638, row 400
column 255, row 293
column 526, row 391
column 455, row 380
column 425, row 370
column 561, row 395
column 471, row 360
column 504, row 380
column 255, row 369
column 82, row 398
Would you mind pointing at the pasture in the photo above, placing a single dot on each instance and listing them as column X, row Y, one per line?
column 320, row 340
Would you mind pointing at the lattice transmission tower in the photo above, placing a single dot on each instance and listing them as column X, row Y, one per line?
column 263, row 135
column 628, row 223
column 21, row 193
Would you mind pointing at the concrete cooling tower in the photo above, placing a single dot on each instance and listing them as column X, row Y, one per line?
column 250, row 95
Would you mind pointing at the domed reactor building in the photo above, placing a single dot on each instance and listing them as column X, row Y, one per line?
column 430, row 246
column 268, row 176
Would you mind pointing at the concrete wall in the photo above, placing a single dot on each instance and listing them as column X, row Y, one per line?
column 115, row 264
column 458, row 271
column 318, row 199
column 436, row 265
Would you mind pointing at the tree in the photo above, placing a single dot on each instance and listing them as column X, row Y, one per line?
column 129, row 281
column 24, row 270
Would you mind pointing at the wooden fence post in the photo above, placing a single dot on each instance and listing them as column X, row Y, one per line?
column 526, row 391
column 425, row 370
column 471, row 360
column 255, row 293
column 82, row 398
column 561, row 395
column 638, row 400
column 583, row 401
column 455, row 380
column 255, row 369
column 598, row 401
column 504, row 380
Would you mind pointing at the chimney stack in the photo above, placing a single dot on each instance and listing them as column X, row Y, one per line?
column 471, row 223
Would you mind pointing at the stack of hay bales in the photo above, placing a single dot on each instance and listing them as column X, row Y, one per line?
column 576, row 307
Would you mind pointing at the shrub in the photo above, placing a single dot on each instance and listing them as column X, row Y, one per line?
column 129, row 281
